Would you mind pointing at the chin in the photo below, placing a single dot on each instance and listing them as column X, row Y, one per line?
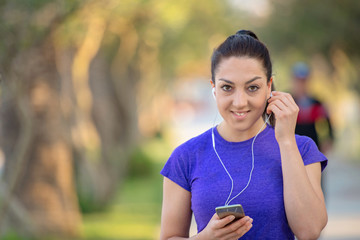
column 246, row 125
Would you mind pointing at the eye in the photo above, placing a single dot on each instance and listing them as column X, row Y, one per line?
column 226, row 88
column 253, row 88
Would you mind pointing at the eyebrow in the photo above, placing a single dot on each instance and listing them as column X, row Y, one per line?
column 247, row 82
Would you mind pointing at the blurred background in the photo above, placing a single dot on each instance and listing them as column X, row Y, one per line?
column 95, row 95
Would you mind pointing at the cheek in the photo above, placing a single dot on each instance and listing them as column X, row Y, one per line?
column 258, row 103
column 223, row 102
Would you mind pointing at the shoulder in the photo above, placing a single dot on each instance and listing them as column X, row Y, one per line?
column 180, row 165
column 309, row 151
column 268, row 137
column 197, row 143
column 302, row 139
column 304, row 143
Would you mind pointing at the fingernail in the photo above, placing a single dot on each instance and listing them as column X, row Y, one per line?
column 232, row 218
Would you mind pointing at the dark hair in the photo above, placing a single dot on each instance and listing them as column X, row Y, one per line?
column 243, row 44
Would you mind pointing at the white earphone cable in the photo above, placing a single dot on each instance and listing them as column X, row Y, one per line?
column 252, row 163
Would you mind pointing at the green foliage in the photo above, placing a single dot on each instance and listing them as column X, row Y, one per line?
column 88, row 204
column 187, row 27
column 28, row 23
column 140, row 164
column 134, row 215
column 12, row 235
column 29, row 5
column 315, row 26
column 307, row 30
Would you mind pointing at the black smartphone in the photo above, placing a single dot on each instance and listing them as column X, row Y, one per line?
column 236, row 210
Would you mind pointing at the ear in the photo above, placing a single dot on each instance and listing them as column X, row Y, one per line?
column 269, row 84
column 213, row 89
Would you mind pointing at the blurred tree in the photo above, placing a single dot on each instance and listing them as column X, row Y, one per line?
column 315, row 27
column 132, row 50
column 79, row 77
column 308, row 28
column 37, row 196
column 325, row 35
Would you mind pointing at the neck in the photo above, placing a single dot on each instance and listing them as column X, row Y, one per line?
column 235, row 135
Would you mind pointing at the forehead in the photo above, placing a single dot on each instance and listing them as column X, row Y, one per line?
column 240, row 68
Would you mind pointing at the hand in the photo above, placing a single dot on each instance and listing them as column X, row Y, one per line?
column 283, row 106
column 219, row 229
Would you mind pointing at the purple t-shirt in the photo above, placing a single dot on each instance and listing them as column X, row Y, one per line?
column 195, row 167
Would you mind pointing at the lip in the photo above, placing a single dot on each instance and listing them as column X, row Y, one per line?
column 240, row 114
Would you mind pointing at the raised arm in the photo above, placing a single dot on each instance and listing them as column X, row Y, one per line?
column 303, row 196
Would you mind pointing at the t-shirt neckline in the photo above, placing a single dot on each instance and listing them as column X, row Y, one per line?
column 220, row 140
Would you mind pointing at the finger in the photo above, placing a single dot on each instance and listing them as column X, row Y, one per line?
column 232, row 236
column 287, row 104
column 272, row 108
column 242, row 222
column 215, row 217
column 289, row 101
column 244, row 229
column 290, row 98
column 281, row 105
column 221, row 223
column 240, row 230
column 280, row 97
column 286, row 98
column 277, row 107
column 236, row 225
column 216, row 225
column 276, row 93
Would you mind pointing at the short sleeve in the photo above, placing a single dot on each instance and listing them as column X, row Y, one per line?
column 310, row 152
column 177, row 168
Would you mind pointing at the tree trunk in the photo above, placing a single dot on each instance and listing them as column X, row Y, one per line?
column 38, row 172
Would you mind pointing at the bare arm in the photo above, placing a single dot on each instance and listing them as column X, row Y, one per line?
column 303, row 196
column 176, row 211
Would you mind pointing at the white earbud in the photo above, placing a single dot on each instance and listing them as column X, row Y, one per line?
column 213, row 93
column 271, row 95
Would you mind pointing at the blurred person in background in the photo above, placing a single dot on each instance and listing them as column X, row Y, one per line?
column 313, row 118
column 276, row 179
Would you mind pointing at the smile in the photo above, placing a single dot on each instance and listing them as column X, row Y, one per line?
column 240, row 115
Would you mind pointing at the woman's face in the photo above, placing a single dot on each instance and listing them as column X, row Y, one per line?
column 241, row 91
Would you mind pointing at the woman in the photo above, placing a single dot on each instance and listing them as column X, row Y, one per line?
column 273, row 173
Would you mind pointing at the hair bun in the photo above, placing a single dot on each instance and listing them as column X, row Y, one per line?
column 247, row 32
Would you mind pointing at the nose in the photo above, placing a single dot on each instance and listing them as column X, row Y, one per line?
column 240, row 99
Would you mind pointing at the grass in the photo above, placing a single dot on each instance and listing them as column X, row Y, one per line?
column 135, row 213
